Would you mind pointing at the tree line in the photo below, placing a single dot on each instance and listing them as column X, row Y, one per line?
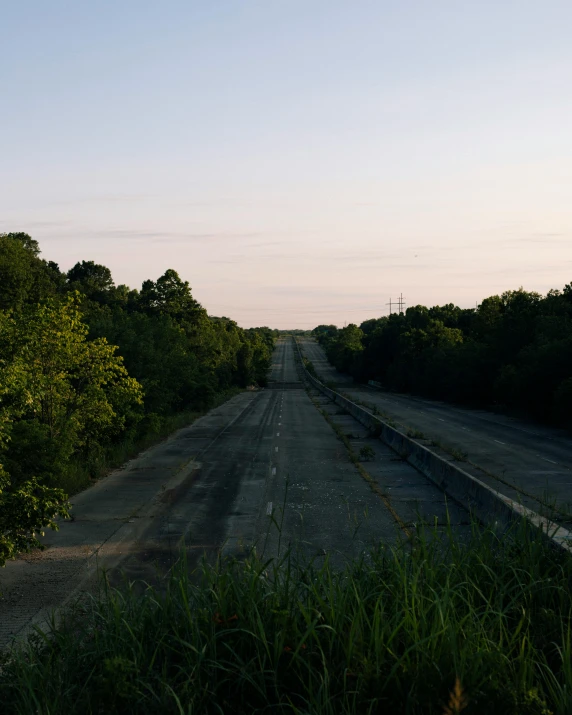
column 513, row 353
column 87, row 366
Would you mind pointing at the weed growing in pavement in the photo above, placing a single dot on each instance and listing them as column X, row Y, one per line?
column 459, row 455
column 429, row 626
column 355, row 460
column 367, row 453
column 415, row 434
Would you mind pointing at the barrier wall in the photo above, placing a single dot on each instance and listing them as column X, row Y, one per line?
column 489, row 506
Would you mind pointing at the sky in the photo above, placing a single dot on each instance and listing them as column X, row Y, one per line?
column 297, row 161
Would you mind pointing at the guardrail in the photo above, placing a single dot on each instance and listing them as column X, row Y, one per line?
column 489, row 506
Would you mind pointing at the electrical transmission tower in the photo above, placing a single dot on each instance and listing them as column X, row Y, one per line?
column 400, row 304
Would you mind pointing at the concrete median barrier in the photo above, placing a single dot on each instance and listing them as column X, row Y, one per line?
column 489, row 506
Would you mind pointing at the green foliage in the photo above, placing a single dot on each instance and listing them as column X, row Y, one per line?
column 414, row 629
column 514, row 350
column 88, row 370
column 25, row 511
column 91, row 279
column 346, row 344
column 61, row 393
column 309, row 365
column 170, row 295
column 74, row 391
column 366, row 453
column 324, row 332
column 28, row 508
column 24, row 277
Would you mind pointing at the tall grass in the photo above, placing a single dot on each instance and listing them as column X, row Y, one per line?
column 431, row 626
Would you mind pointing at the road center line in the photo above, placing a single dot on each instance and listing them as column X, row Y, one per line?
column 278, row 434
column 269, row 508
column 273, row 471
column 548, row 460
column 498, row 441
column 275, row 449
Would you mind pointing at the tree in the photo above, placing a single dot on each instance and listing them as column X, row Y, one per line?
column 16, row 272
column 171, row 296
column 348, row 342
column 323, row 332
column 27, row 509
column 91, row 279
column 67, row 392
column 25, row 240
column 24, row 277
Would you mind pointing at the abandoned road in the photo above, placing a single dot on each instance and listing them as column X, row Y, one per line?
column 264, row 458
column 529, row 463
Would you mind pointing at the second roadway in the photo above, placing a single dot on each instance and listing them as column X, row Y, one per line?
column 528, row 462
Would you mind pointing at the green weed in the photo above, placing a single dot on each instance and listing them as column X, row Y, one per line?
column 415, row 434
column 429, row 626
column 366, row 453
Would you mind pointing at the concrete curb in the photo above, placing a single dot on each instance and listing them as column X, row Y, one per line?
column 489, row 506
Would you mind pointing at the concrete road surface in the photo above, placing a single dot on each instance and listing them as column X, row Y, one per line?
column 218, row 485
column 528, row 462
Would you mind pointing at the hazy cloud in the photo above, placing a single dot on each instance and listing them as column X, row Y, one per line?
column 157, row 236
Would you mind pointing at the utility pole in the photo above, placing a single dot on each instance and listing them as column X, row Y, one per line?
column 389, row 304
column 401, row 303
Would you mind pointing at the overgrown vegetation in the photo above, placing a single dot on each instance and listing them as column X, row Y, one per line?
column 89, row 371
column 367, row 453
column 416, row 628
column 309, row 365
column 513, row 351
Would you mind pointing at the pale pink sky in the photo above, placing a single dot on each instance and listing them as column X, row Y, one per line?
column 296, row 162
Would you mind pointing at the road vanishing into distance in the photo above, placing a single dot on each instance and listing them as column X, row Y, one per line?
column 267, row 469
column 528, row 462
